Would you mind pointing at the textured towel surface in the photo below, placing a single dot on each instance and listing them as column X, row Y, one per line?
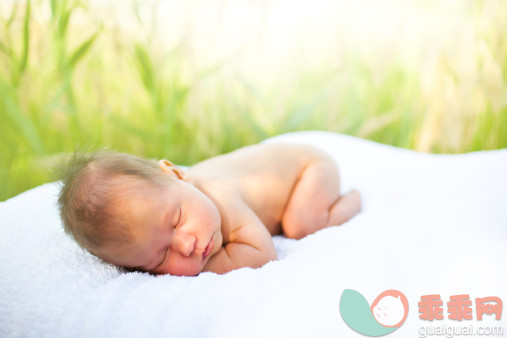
column 431, row 224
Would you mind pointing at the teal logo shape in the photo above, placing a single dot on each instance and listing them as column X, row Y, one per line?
column 385, row 315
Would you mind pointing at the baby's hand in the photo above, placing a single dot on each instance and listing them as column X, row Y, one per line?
column 238, row 255
column 248, row 245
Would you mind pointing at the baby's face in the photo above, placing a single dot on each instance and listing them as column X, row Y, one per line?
column 176, row 228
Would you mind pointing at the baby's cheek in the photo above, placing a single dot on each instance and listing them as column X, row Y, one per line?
column 183, row 267
column 209, row 215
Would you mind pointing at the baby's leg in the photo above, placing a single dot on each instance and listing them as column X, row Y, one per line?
column 346, row 207
column 316, row 202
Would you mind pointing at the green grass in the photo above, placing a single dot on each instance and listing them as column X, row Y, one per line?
column 65, row 84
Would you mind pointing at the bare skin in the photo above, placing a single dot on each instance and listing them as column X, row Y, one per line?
column 220, row 215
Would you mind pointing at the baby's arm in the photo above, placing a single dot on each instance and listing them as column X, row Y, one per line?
column 250, row 244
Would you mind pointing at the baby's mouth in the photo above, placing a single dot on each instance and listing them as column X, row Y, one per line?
column 207, row 250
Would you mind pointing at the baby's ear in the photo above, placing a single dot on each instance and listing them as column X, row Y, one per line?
column 170, row 169
column 165, row 165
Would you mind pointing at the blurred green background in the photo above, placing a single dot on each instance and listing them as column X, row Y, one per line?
column 187, row 80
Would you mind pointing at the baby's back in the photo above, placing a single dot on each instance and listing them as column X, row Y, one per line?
column 263, row 175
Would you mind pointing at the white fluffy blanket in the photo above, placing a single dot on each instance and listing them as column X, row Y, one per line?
column 431, row 224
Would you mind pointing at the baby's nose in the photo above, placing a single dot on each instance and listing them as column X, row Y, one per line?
column 186, row 244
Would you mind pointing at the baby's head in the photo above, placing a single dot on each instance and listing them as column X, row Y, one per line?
column 137, row 213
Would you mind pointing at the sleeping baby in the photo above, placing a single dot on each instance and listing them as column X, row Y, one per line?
column 219, row 215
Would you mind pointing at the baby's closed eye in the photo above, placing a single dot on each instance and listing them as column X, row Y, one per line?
column 177, row 218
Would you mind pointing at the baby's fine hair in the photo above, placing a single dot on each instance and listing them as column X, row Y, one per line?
column 86, row 198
